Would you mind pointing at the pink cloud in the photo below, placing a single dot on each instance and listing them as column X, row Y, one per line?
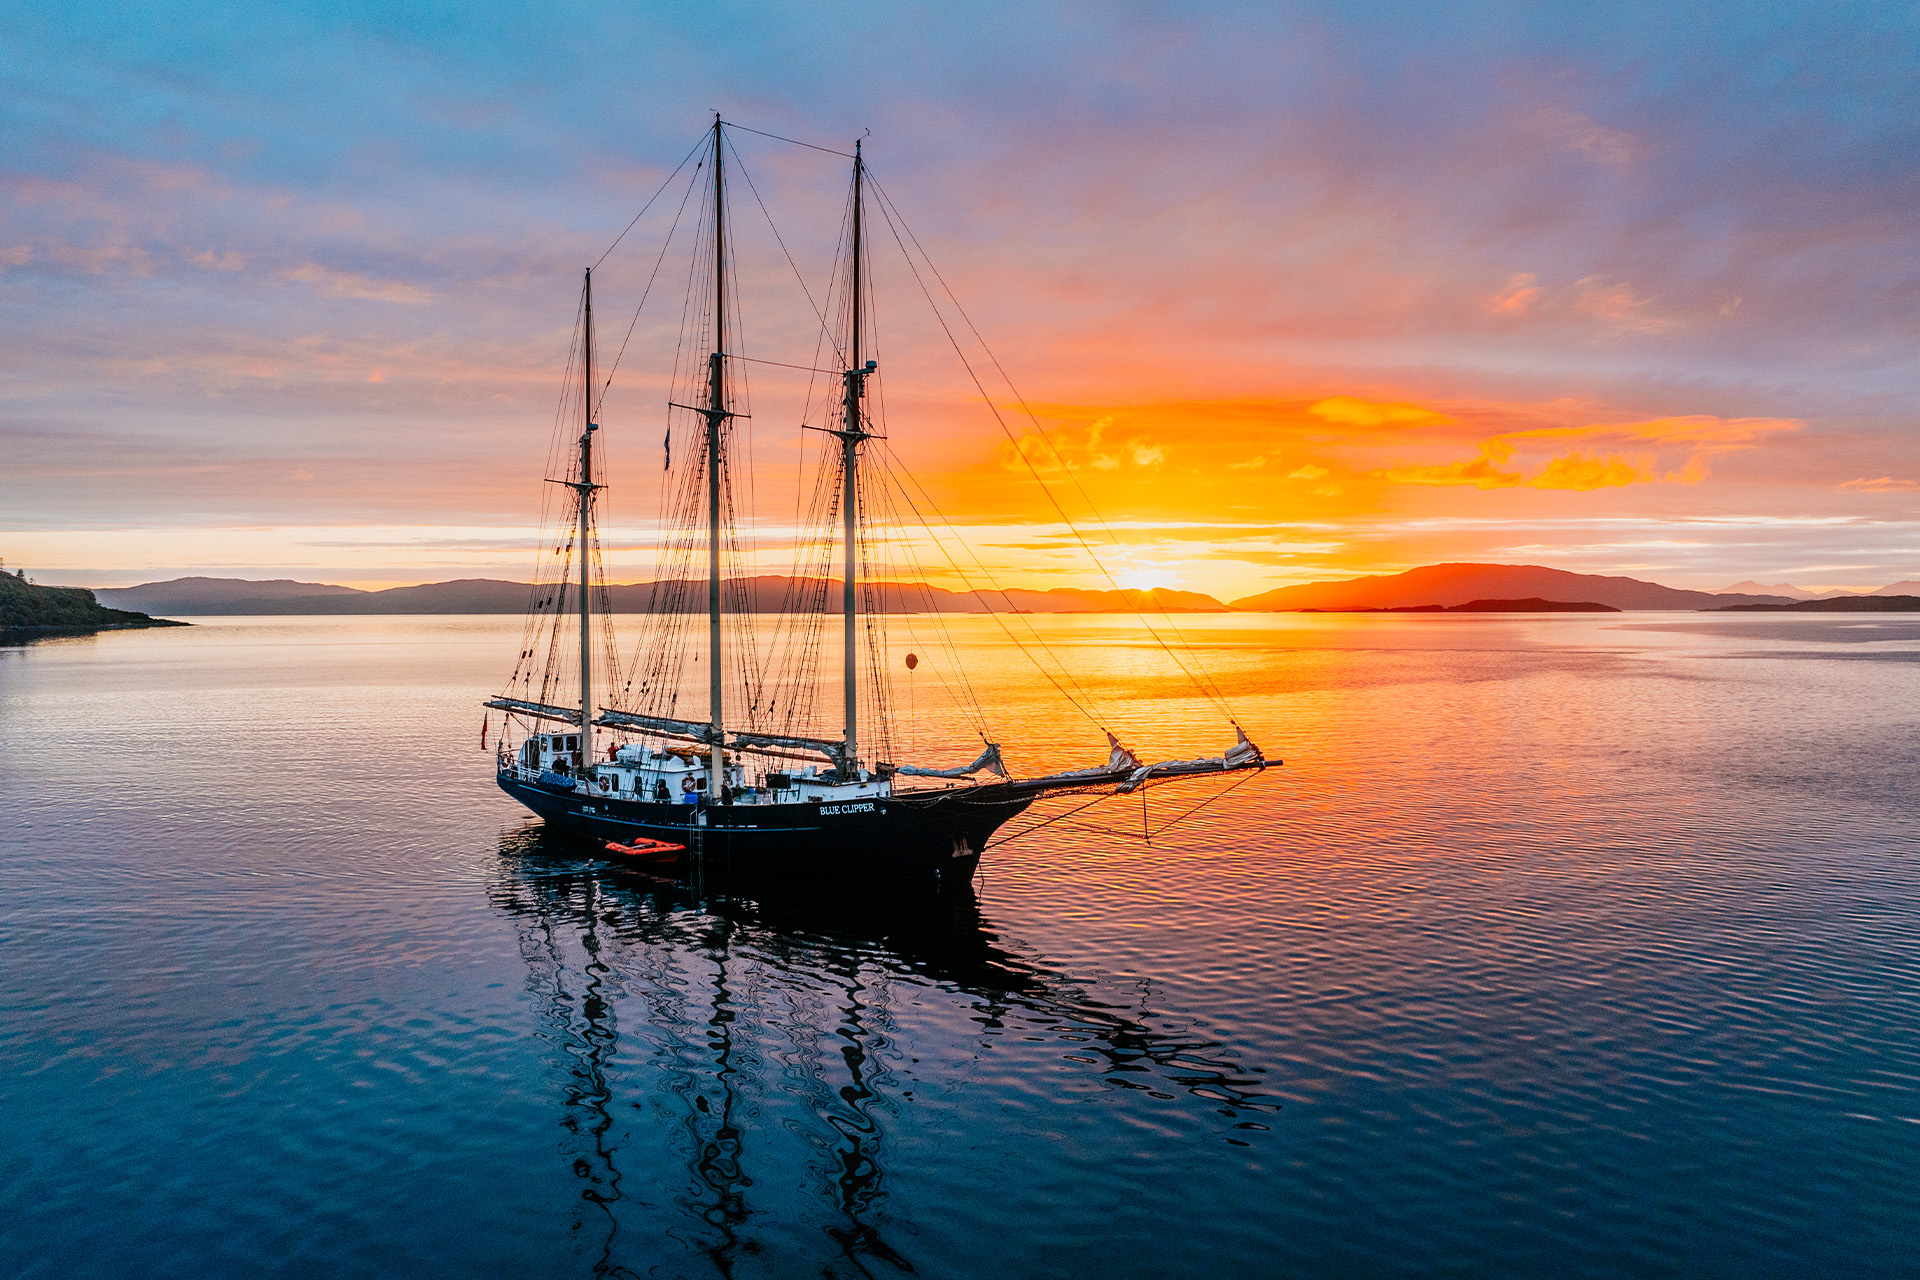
column 345, row 284
column 1521, row 292
column 1883, row 484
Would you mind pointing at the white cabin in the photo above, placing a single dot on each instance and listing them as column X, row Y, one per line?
column 682, row 775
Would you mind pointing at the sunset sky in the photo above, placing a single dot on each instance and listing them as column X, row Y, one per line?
column 1296, row 290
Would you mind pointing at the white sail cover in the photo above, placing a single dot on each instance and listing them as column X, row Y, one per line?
column 1242, row 752
column 989, row 760
column 1240, row 755
column 1119, row 760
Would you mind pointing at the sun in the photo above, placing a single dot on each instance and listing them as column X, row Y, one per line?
column 1146, row 578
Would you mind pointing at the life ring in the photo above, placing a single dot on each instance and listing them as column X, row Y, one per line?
column 606, row 784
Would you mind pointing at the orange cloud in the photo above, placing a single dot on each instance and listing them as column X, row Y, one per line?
column 1349, row 411
column 1582, row 472
column 1481, row 472
column 1339, row 457
column 1704, row 434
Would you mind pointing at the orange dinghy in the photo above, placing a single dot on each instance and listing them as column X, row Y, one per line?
column 658, row 852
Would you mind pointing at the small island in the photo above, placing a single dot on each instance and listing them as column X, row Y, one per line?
column 30, row 611
column 1840, row 604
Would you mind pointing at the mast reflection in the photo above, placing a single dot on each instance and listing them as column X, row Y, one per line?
column 738, row 1007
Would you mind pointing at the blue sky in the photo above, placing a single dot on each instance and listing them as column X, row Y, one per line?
column 269, row 271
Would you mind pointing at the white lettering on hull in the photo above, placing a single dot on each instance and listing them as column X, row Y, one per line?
column 834, row 810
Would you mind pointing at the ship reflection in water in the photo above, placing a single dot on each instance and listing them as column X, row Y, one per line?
column 734, row 1070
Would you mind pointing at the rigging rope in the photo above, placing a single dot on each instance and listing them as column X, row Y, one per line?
column 1082, row 704
column 783, row 250
column 795, row 141
column 890, row 212
column 649, row 204
column 646, row 292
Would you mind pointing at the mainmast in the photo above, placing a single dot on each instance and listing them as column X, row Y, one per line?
column 585, row 487
column 716, row 414
column 851, row 433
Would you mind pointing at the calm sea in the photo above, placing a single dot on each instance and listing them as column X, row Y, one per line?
column 1561, row 946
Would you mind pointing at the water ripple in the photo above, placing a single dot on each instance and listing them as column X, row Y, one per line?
column 1577, row 946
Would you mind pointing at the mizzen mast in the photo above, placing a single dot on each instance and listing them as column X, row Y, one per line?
column 852, row 432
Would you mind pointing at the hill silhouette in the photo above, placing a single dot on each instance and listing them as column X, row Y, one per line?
column 25, row 606
column 1906, row 587
column 1531, row 605
column 180, row 592
column 1456, row 584
column 1840, row 604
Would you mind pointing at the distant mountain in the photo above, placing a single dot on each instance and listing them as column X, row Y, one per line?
column 1080, row 600
column 1905, row 588
column 214, row 595
column 1752, row 588
column 1846, row 604
column 767, row 594
column 1451, row 584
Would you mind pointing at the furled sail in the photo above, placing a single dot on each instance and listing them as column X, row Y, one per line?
column 834, row 751
column 535, row 710
column 1241, row 755
column 989, row 760
column 693, row 730
column 1243, row 752
column 1120, row 763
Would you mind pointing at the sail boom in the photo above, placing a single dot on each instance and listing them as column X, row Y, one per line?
column 535, row 710
column 1125, row 780
column 989, row 760
column 834, row 751
column 692, row 730
column 1128, row 774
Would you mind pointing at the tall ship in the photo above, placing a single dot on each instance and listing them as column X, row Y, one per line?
column 601, row 746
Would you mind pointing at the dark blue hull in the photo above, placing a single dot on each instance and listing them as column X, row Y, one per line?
column 933, row 835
